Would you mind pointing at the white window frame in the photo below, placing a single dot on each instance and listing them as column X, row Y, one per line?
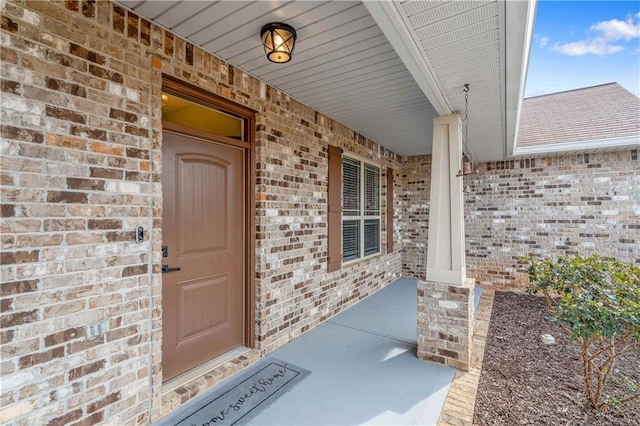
column 362, row 217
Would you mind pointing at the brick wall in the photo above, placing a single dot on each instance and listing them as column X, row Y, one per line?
column 294, row 291
column 77, row 160
column 416, row 186
column 81, row 168
column 567, row 204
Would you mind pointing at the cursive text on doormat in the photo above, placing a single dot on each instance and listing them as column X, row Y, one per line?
column 243, row 399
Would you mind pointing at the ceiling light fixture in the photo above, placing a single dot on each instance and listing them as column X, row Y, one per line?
column 278, row 40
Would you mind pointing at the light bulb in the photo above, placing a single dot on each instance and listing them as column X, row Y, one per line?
column 277, row 42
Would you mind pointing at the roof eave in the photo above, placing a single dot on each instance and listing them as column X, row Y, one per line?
column 612, row 144
column 394, row 26
column 518, row 22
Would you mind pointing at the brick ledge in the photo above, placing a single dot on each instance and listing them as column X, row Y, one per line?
column 175, row 398
column 460, row 404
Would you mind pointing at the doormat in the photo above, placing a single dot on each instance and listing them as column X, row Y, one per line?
column 241, row 398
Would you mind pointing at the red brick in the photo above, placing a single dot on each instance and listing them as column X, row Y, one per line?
column 119, row 114
column 136, row 131
column 66, row 197
column 12, row 87
column 89, row 132
column 6, row 305
column 130, row 271
column 78, row 372
column 63, row 336
column 26, row 135
column 66, row 418
column 118, row 19
column 65, row 114
column 106, row 74
column 93, row 419
column 120, row 236
column 7, row 210
column 132, row 25
column 6, row 336
column 145, row 32
column 62, row 86
column 107, row 400
column 18, row 287
column 41, row 357
column 84, row 53
column 72, row 5
column 104, row 224
column 19, row 318
column 9, row 258
column 89, row 8
column 98, row 172
column 86, row 184
column 8, row 24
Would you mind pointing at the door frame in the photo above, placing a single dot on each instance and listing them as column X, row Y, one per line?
column 195, row 94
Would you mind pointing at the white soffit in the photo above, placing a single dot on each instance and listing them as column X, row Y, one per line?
column 342, row 66
column 378, row 67
column 484, row 43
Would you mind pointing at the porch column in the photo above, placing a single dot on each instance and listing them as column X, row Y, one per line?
column 445, row 300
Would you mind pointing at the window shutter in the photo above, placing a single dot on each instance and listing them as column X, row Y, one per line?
column 389, row 210
column 334, row 215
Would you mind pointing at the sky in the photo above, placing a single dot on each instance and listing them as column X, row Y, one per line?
column 584, row 43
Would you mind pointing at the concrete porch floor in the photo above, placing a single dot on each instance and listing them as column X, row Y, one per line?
column 363, row 368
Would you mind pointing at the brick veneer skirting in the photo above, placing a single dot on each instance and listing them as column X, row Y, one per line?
column 445, row 323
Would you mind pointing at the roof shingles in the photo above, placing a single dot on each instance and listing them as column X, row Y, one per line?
column 594, row 113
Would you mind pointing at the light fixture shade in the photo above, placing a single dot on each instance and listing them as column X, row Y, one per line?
column 278, row 40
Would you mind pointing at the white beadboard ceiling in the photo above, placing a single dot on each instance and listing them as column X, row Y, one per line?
column 461, row 40
column 344, row 66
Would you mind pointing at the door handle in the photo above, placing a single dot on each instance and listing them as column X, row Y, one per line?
column 165, row 269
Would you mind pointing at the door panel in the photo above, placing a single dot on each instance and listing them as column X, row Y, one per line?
column 203, row 228
column 195, row 296
column 203, row 189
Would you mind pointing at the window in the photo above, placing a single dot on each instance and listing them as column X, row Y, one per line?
column 206, row 118
column 360, row 209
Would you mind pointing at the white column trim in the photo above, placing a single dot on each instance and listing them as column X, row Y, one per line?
column 446, row 244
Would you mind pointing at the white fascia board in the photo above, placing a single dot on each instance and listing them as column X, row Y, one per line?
column 519, row 19
column 395, row 27
column 591, row 145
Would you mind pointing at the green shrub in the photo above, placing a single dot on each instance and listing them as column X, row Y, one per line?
column 597, row 302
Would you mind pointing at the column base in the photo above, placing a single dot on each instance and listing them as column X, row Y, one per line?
column 445, row 323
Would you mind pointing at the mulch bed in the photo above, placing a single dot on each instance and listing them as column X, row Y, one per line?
column 524, row 382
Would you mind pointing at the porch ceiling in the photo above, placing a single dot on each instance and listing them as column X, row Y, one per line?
column 345, row 66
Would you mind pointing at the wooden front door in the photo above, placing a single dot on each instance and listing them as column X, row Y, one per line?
column 203, row 232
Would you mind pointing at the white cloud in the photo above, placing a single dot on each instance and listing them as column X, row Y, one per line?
column 615, row 30
column 580, row 48
column 544, row 41
column 608, row 32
